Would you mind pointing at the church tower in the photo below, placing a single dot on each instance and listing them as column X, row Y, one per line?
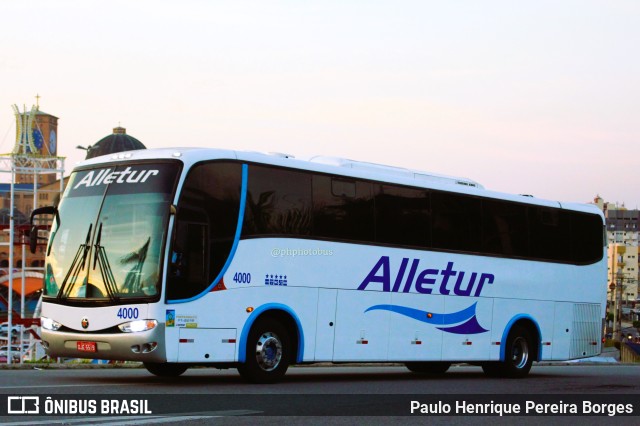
column 36, row 140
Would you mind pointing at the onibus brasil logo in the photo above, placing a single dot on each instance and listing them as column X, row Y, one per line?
column 447, row 281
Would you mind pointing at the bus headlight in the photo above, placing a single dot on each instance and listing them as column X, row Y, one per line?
column 49, row 324
column 136, row 326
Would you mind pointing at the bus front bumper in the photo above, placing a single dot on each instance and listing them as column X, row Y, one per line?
column 146, row 346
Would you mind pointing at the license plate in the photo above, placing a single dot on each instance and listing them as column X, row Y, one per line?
column 87, row 346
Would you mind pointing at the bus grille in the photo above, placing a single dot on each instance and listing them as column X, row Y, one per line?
column 585, row 339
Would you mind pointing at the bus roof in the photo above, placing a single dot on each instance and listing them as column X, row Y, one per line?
column 337, row 166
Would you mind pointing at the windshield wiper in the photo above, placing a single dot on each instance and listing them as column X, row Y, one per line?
column 100, row 258
column 76, row 267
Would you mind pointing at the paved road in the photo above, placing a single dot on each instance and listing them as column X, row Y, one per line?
column 338, row 387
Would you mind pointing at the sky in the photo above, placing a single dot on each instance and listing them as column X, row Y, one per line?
column 538, row 98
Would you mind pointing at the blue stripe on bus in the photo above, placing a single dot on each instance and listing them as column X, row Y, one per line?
column 466, row 316
column 242, row 347
column 507, row 329
column 236, row 239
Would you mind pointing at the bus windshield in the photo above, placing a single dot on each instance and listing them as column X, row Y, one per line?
column 112, row 228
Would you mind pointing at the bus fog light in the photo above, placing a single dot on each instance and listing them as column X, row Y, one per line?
column 45, row 345
column 135, row 349
column 149, row 347
column 136, row 326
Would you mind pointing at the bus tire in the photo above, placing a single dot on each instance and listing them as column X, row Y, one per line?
column 268, row 352
column 518, row 356
column 433, row 368
column 165, row 369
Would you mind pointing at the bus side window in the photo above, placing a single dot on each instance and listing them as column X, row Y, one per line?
column 456, row 222
column 205, row 227
column 278, row 202
column 587, row 240
column 343, row 209
column 403, row 216
column 195, row 253
column 505, row 230
column 549, row 232
column 343, row 188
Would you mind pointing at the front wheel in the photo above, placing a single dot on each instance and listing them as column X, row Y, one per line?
column 268, row 352
column 165, row 369
column 519, row 354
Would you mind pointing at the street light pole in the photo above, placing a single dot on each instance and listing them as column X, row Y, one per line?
column 616, row 327
column 612, row 307
column 620, row 289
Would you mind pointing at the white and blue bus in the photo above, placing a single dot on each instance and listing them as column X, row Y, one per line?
column 187, row 257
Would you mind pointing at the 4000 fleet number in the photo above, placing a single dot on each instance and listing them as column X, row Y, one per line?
column 242, row 278
column 128, row 313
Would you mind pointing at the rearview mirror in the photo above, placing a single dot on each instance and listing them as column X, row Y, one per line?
column 33, row 232
column 33, row 239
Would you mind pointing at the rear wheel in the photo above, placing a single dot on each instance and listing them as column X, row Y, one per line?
column 519, row 354
column 268, row 352
column 165, row 369
column 428, row 367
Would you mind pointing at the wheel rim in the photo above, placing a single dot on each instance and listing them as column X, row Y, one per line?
column 268, row 351
column 520, row 352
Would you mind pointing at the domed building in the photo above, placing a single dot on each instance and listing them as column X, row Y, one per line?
column 118, row 141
